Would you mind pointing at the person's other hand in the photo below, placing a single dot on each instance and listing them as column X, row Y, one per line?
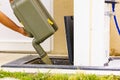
column 10, row 1
column 23, row 32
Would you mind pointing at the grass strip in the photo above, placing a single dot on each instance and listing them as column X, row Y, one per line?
column 48, row 76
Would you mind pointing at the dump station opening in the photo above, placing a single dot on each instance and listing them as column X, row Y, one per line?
column 59, row 62
column 55, row 61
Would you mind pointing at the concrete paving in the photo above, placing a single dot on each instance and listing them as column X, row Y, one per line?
column 8, row 78
column 114, row 62
column 8, row 57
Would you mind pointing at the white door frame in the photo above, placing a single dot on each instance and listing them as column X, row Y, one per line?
column 91, row 37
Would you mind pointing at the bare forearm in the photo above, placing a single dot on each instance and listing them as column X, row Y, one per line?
column 8, row 23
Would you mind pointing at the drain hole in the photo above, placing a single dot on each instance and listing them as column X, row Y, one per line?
column 55, row 61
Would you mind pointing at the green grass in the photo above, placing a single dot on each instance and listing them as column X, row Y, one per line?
column 48, row 76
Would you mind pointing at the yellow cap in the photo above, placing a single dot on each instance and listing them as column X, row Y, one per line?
column 50, row 22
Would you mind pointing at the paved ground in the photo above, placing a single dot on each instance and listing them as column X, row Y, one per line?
column 8, row 78
column 115, row 62
column 8, row 57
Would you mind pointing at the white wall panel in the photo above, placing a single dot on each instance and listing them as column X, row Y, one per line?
column 91, row 33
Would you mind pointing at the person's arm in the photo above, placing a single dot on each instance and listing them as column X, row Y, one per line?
column 10, row 1
column 10, row 24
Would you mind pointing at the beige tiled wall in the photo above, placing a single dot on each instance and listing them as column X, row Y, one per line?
column 61, row 9
column 114, row 36
column 65, row 7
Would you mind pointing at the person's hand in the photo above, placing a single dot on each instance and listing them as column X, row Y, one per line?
column 10, row 1
column 23, row 32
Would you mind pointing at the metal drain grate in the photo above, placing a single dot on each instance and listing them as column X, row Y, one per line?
column 55, row 61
